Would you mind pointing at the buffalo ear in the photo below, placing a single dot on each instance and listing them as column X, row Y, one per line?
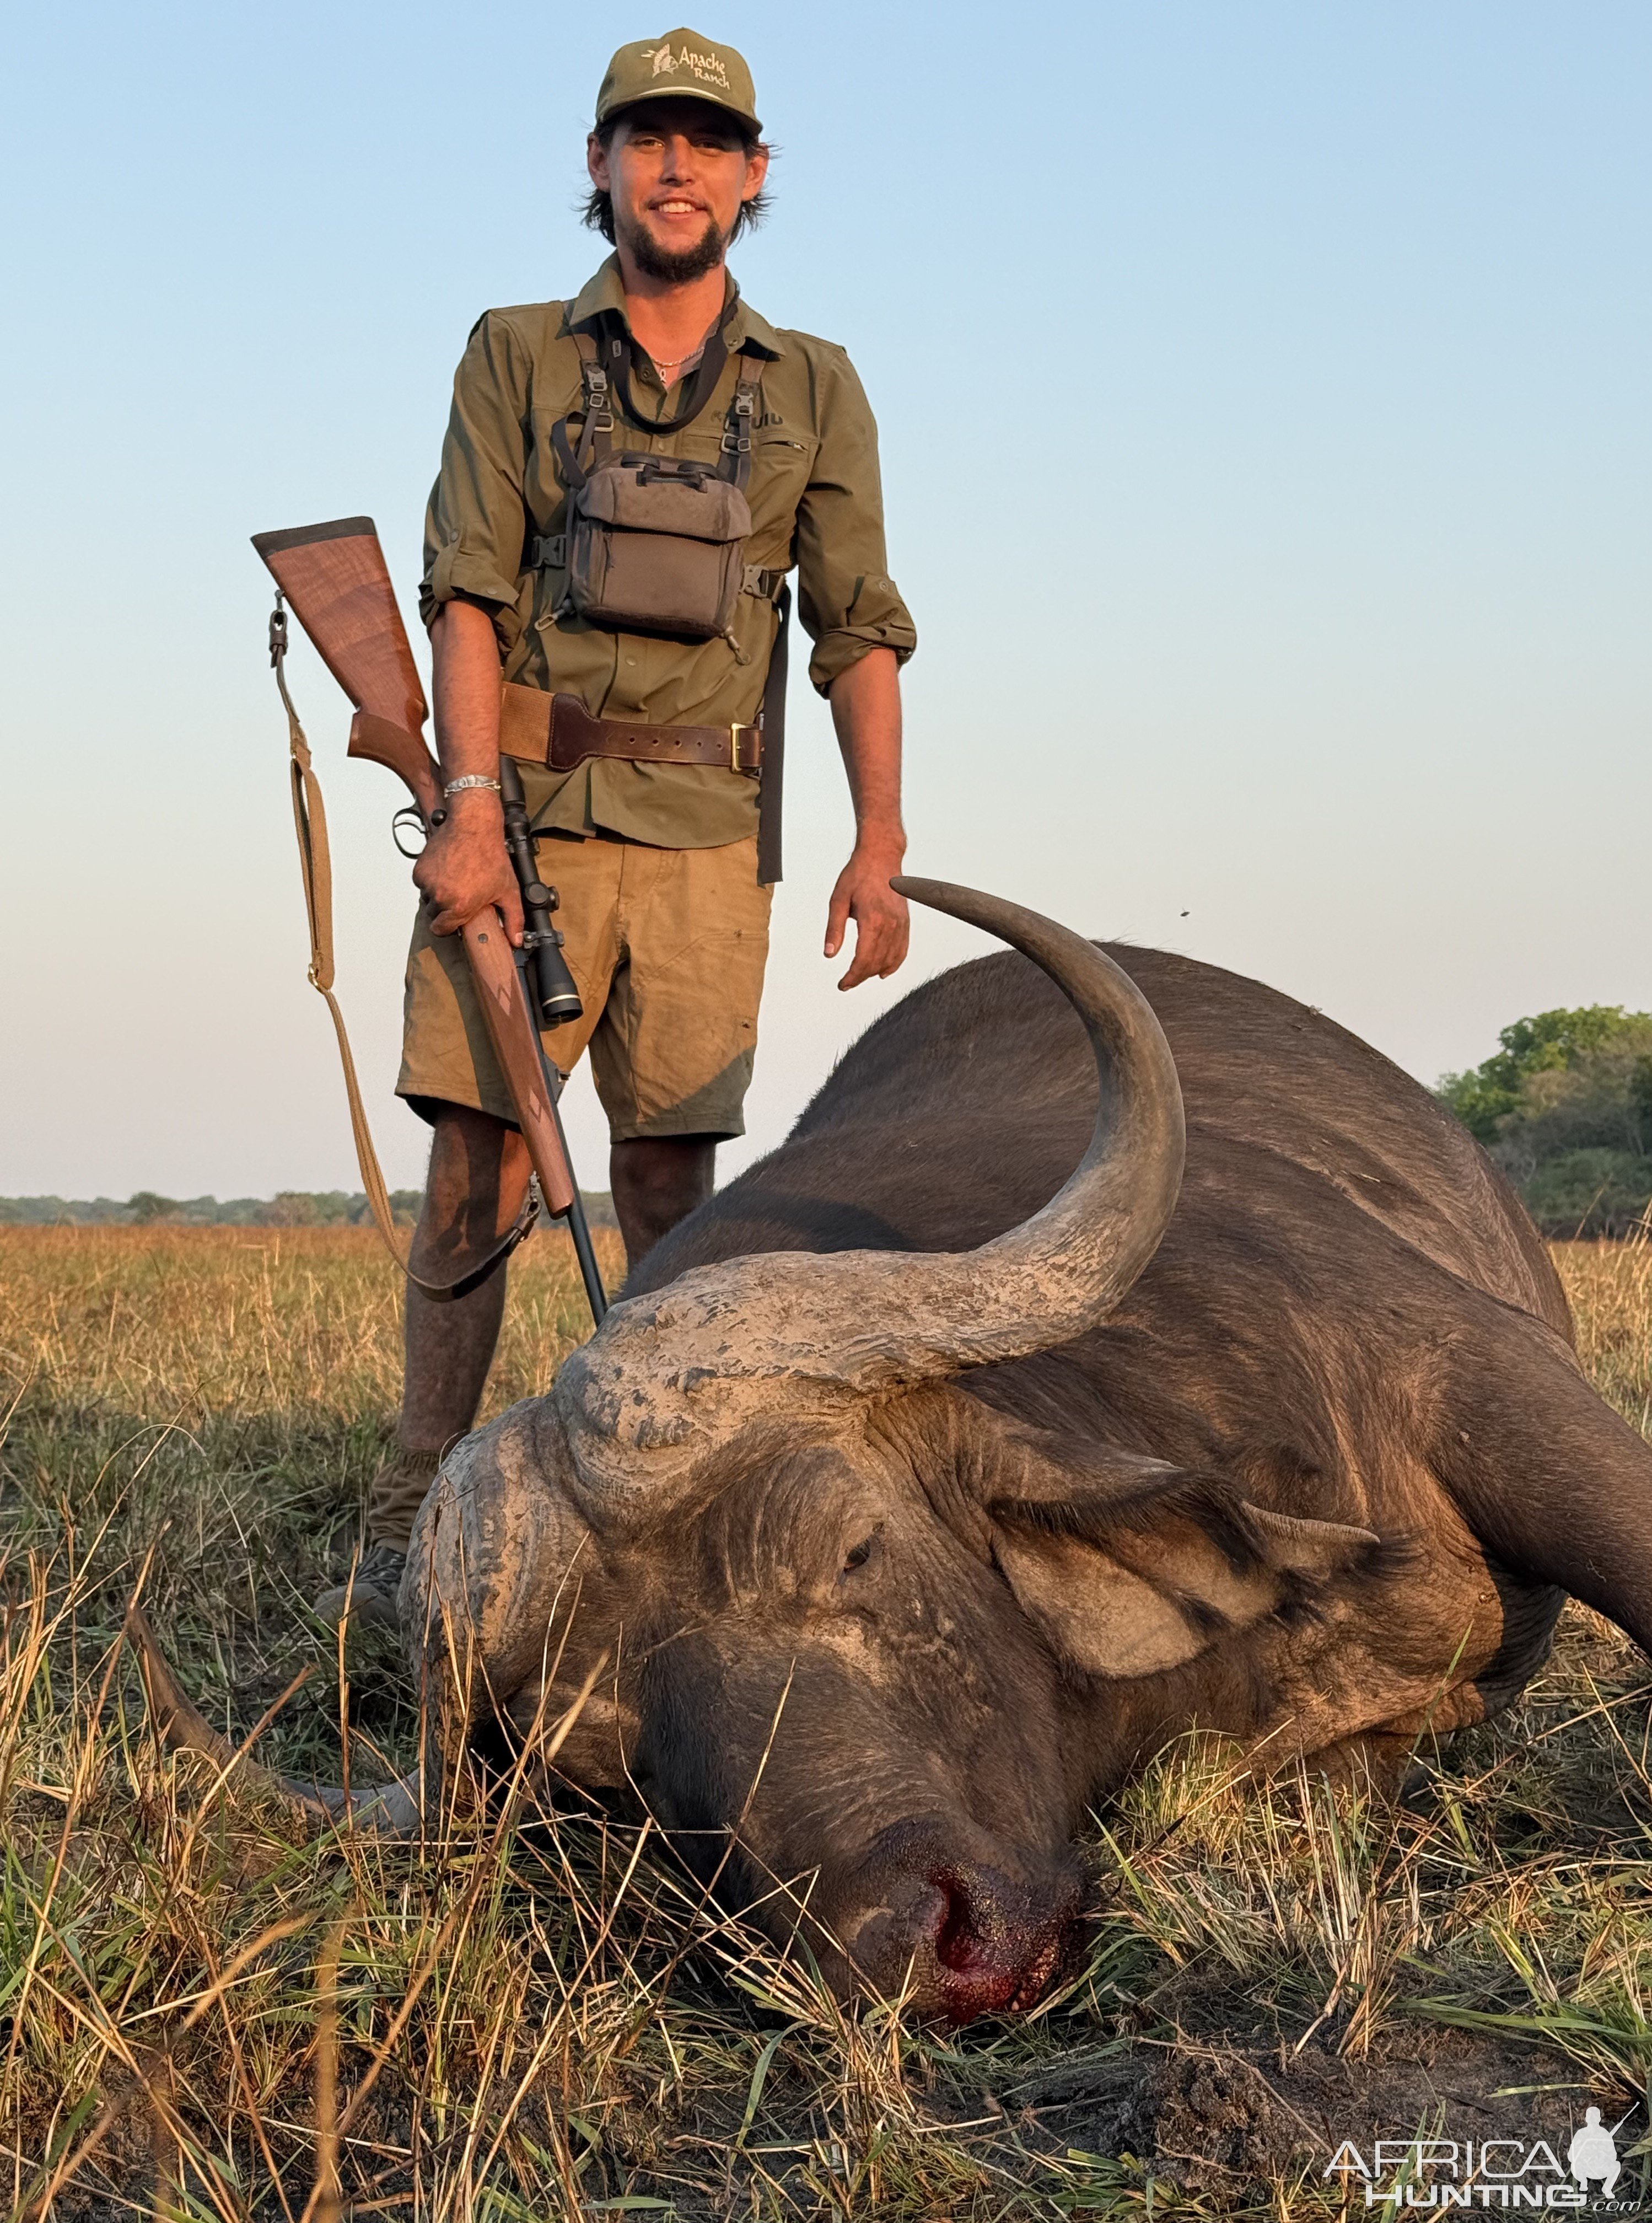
column 1093, row 1613
column 1137, row 1582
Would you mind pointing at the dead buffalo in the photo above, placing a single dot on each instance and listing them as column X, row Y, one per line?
column 972, row 1446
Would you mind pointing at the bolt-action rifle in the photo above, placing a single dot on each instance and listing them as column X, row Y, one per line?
column 334, row 577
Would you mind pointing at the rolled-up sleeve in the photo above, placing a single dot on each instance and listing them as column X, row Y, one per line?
column 477, row 518
column 846, row 599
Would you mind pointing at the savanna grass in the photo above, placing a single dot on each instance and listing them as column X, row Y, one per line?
column 202, row 2014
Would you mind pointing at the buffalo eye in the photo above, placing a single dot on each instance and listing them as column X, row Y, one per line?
column 859, row 1555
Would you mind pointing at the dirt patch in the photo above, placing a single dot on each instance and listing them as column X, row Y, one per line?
column 1235, row 2121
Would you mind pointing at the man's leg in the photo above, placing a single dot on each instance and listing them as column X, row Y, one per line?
column 657, row 1182
column 477, row 1181
column 674, row 1048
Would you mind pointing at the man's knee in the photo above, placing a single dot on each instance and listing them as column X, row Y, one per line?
column 666, row 1167
column 656, row 1182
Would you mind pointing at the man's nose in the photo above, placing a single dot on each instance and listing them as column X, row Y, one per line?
column 676, row 156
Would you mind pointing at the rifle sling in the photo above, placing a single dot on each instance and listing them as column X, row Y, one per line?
column 315, row 863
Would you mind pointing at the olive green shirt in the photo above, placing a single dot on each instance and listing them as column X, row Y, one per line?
column 815, row 501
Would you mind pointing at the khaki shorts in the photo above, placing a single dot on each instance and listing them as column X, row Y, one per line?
column 668, row 947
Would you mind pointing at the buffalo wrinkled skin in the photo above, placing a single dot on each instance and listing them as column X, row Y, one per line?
column 1322, row 1475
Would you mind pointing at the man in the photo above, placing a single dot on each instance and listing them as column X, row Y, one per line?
column 656, row 859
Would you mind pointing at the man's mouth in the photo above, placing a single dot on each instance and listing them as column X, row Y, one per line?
column 676, row 207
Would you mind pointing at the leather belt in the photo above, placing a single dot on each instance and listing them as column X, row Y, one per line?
column 559, row 731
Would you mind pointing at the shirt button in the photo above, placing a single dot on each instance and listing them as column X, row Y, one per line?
column 631, row 661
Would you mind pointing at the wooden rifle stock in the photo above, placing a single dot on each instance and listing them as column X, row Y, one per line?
column 336, row 580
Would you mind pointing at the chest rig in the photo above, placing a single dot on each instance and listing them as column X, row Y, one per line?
column 654, row 544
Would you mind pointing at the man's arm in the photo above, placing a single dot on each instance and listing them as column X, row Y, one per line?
column 866, row 711
column 465, row 865
column 863, row 632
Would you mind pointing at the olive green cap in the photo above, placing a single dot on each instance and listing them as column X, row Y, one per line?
column 682, row 66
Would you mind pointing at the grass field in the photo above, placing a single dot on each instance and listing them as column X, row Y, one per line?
column 202, row 2015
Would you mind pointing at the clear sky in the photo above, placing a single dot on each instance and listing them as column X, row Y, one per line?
column 1264, row 399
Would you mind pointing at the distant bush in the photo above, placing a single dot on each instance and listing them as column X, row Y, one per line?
column 146, row 1206
column 1565, row 1108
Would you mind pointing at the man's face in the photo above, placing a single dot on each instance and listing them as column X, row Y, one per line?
column 677, row 173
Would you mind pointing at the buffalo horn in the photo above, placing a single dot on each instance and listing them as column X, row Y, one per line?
column 671, row 1377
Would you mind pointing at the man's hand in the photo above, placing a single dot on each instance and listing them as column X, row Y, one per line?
column 465, row 866
column 866, row 711
column 882, row 924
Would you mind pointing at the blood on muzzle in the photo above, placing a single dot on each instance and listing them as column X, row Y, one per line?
column 992, row 1953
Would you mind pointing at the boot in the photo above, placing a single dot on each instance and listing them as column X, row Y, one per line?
column 398, row 1490
column 372, row 1596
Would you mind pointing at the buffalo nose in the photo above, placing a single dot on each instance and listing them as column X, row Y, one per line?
column 992, row 1951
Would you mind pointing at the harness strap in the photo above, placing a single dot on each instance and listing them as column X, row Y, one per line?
column 736, row 461
column 599, row 396
column 772, row 720
column 314, row 865
column 596, row 433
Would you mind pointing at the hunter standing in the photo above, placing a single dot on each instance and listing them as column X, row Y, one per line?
column 627, row 479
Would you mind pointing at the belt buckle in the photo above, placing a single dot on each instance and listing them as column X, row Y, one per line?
column 734, row 748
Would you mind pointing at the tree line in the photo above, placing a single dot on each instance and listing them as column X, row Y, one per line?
column 290, row 1207
column 1565, row 1108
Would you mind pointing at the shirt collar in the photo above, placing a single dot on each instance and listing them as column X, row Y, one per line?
column 603, row 294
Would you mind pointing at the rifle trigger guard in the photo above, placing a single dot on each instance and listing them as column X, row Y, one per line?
column 405, row 820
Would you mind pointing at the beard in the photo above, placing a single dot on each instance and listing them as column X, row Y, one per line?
column 677, row 265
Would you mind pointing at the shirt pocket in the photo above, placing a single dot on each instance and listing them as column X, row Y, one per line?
column 781, row 462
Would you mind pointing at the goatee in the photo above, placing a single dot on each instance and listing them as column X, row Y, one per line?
column 676, row 266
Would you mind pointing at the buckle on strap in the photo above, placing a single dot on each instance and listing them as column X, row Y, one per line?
column 547, row 551
column 765, row 585
column 734, row 736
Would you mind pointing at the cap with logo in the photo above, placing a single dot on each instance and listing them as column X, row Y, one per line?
column 682, row 66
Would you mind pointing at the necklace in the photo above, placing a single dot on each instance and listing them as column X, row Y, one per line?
column 675, row 362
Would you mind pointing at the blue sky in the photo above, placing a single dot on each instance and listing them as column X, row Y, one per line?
column 1263, row 397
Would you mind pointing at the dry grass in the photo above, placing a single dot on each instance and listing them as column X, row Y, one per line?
column 200, row 2016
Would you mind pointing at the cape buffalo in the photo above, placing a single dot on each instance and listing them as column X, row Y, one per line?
column 969, row 1447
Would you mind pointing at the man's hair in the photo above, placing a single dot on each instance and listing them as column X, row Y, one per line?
column 598, row 211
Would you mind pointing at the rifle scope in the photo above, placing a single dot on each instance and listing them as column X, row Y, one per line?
column 551, row 982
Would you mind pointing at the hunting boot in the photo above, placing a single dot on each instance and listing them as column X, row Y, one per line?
column 398, row 1490
column 371, row 1597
